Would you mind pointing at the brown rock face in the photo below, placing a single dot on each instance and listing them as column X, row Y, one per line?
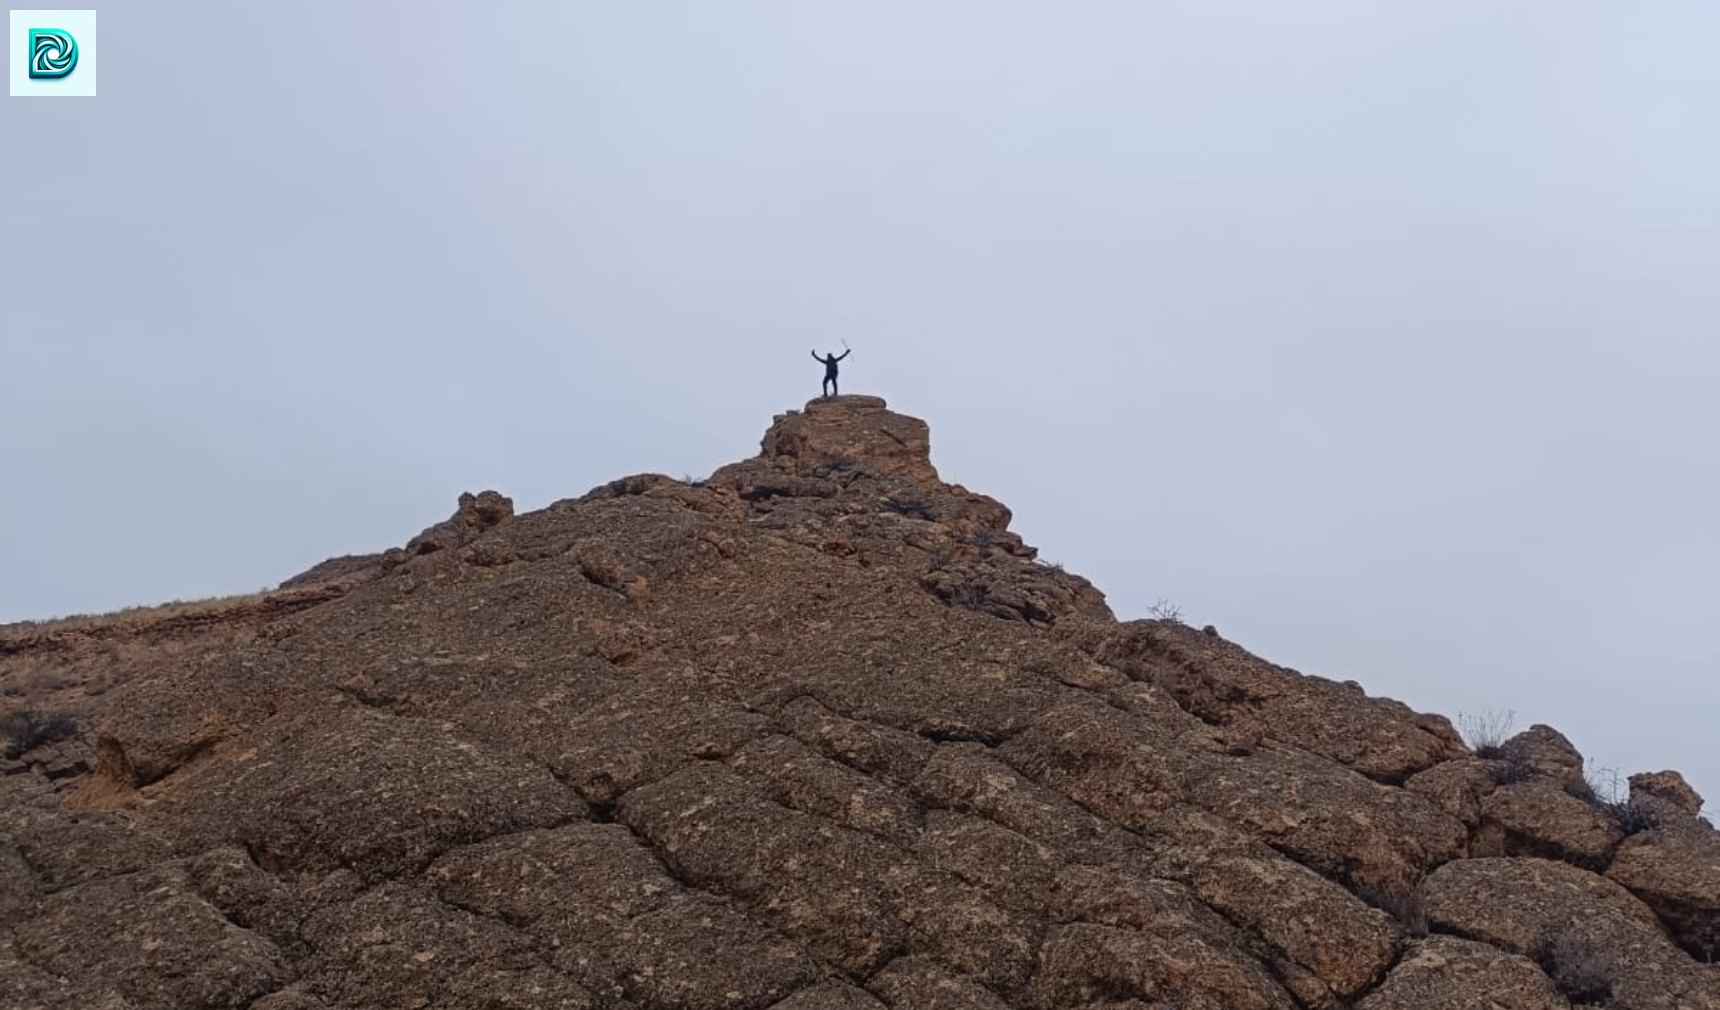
column 856, row 430
column 1668, row 788
column 1446, row 973
column 1538, row 818
column 818, row 733
column 1594, row 938
column 1676, row 869
column 1545, row 752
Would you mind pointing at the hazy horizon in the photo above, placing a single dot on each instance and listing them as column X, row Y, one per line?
column 1380, row 338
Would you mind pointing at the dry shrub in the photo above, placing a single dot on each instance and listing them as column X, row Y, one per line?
column 1580, row 966
column 1486, row 733
column 1607, row 791
column 25, row 729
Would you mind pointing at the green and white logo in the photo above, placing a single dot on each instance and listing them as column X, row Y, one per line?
column 53, row 53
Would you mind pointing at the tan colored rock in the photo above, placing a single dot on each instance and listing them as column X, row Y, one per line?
column 70, row 848
column 1225, row 685
column 1526, row 906
column 856, row 429
column 160, row 724
column 700, row 953
column 1107, row 760
column 590, row 877
column 360, row 790
column 608, row 914
column 149, row 936
column 821, row 731
column 1676, row 870
column 1510, row 902
column 24, row 985
column 485, row 509
column 473, row 515
column 1456, row 787
column 1543, row 751
column 1085, row 962
column 346, row 568
column 1447, row 973
column 1537, row 817
column 396, row 946
column 830, row 996
column 18, row 885
column 249, row 896
column 969, row 778
column 1010, row 867
column 823, row 886
column 1668, row 787
column 1379, row 839
column 1326, row 944
column 289, row 999
column 921, row 984
column 891, row 754
column 799, row 778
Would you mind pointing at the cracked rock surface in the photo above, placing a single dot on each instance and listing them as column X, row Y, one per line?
column 817, row 733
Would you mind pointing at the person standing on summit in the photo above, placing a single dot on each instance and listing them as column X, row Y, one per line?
column 830, row 361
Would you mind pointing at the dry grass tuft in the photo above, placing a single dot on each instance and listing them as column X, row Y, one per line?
column 1486, row 732
column 133, row 618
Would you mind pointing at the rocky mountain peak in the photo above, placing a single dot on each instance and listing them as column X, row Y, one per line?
column 818, row 732
column 857, row 430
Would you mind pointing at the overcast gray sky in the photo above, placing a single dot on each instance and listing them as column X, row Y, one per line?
column 1382, row 336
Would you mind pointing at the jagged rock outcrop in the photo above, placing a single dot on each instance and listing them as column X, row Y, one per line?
column 818, row 733
column 1665, row 794
column 851, row 430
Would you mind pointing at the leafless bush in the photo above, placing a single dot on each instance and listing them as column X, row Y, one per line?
column 1633, row 817
column 1166, row 610
column 1509, row 769
column 1609, row 792
column 967, row 593
column 1487, row 732
column 1580, row 966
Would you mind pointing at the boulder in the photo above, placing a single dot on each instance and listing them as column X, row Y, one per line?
column 1668, row 788
column 1225, row 685
column 474, row 515
column 1449, row 973
column 1675, row 869
column 355, row 789
column 1596, row 939
column 1537, row 817
column 1542, row 751
column 851, row 430
column 1457, row 787
column 154, row 940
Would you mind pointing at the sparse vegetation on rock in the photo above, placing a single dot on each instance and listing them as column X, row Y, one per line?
column 25, row 729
